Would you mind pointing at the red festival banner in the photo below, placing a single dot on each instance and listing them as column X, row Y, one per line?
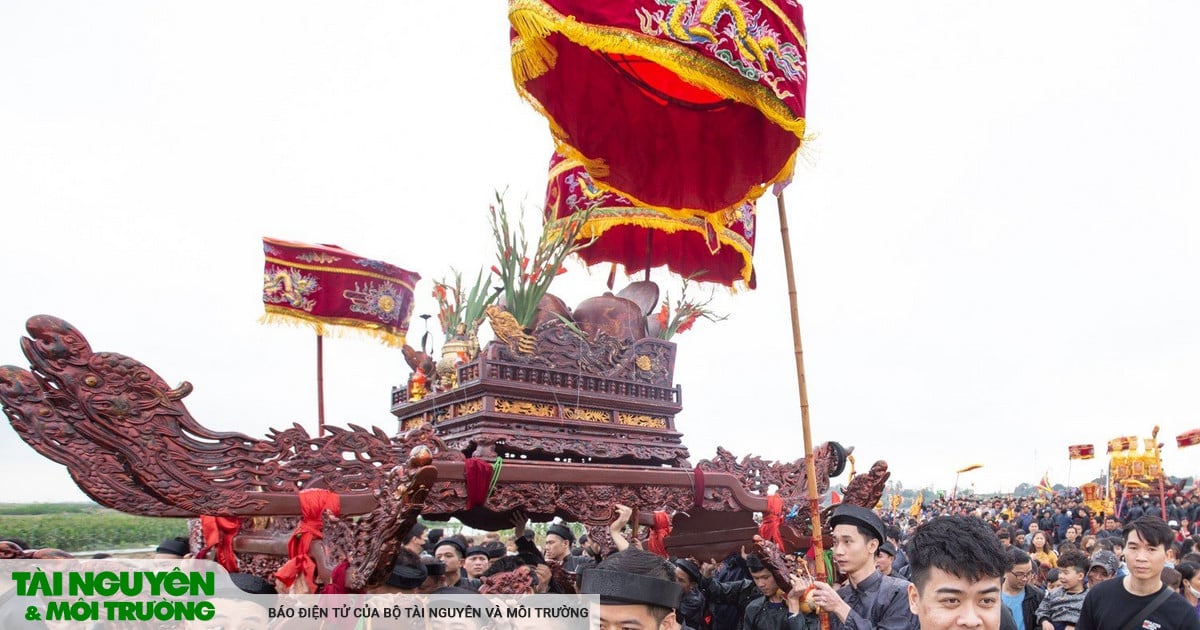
column 325, row 285
column 1188, row 438
column 1082, row 451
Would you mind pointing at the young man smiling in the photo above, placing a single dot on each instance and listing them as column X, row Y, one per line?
column 869, row 600
column 957, row 565
column 1140, row 599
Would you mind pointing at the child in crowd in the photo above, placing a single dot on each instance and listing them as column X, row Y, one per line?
column 1052, row 581
column 1060, row 608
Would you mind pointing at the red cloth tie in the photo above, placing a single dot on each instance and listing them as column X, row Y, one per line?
column 698, row 489
column 219, row 532
column 772, row 519
column 313, row 502
column 479, row 481
column 658, row 534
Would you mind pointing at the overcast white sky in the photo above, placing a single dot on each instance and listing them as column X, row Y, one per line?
column 996, row 235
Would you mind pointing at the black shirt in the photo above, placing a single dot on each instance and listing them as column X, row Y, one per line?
column 1108, row 606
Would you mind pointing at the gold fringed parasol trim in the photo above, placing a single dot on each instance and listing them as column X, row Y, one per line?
column 598, row 224
column 532, row 58
column 575, row 158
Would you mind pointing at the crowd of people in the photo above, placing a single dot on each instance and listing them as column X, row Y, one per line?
column 1007, row 562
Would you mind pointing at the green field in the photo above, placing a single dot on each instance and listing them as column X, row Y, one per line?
column 84, row 526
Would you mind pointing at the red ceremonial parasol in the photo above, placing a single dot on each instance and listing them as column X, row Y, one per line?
column 690, row 104
column 703, row 246
column 683, row 107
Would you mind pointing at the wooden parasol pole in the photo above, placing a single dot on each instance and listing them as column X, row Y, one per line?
column 814, row 499
column 320, row 387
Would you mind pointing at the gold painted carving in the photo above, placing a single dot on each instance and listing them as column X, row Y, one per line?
column 585, row 414
column 642, row 420
column 470, row 406
column 644, row 363
column 412, row 423
column 526, row 408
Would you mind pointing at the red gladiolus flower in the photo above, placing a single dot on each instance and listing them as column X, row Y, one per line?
column 662, row 316
column 524, row 262
column 495, row 270
column 687, row 324
column 561, row 271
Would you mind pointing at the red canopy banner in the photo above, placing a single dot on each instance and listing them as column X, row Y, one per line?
column 1082, row 451
column 1188, row 438
column 703, row 246
column 325, row 285
column 692, row 104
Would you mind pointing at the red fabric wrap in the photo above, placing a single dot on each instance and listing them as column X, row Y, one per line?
column 300, row 565
column 705, row 246
column 681, row 104
column 657, row 542
column 772, row 519
column 325, row 285
column 478, row 475
column 337, row 581
column 698, row 488
column 219, row 532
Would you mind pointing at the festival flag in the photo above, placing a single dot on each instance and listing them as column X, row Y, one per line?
column 969, row 468
column 1122, row 444
column 1044, row 484
column 1188, row 438
column 1082, row 451
column 915, row 510
column 324, row 285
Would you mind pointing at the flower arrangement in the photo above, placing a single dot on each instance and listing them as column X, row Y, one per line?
column 526, row 280
column 681, row 319
column 460, row 313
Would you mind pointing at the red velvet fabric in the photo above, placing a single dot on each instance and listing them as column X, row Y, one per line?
column 666, row 141
column 707, row 247
column 478, row 475
column 657, row 542
column 219, row 532
column 300, row 565
column 772, row 519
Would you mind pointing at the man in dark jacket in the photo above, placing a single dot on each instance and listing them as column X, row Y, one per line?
column 885, row 561
column 1019, row 596
column 729, row 616
column 693, row 607
column 766, row 606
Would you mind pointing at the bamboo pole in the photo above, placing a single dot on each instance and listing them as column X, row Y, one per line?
column 320, row 387
column 814, row 506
